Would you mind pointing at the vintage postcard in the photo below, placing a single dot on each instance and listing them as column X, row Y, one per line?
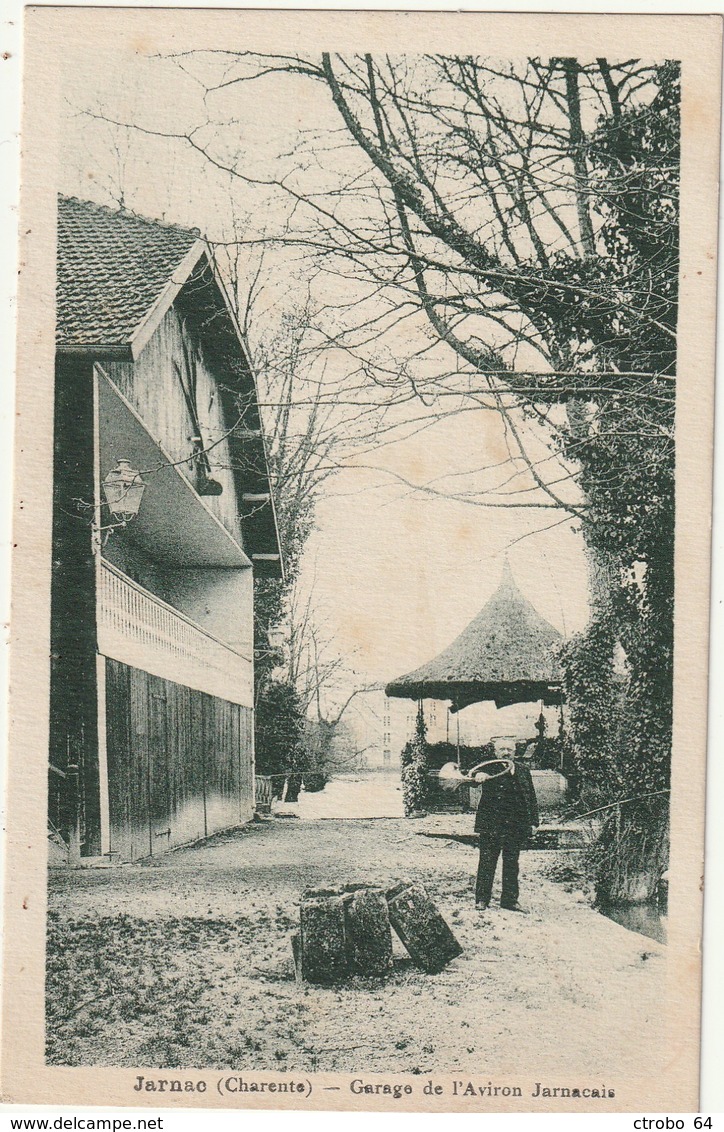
column 364, row 437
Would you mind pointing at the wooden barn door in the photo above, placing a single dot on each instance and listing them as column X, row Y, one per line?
column 159, row 766
column 187, row 816
column 127, row 743
column 180, row 763
column 223, row 785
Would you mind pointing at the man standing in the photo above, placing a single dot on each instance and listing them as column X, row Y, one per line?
column 506, row 811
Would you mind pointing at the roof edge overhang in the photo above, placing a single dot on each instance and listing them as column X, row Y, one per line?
column 155, row 313
column 272, row 562
column 465, row 693
column 96, row 351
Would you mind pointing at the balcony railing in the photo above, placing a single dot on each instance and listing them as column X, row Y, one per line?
column 139, row 629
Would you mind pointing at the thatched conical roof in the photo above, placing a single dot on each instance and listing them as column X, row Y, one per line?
column 506, row 654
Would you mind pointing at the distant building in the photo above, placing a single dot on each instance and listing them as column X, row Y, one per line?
column 387, row 734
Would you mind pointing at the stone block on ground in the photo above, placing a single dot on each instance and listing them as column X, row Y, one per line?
column 369, row 932
column 324, row 944
column 421, row 927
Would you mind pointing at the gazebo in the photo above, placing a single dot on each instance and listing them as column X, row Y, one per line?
column 507, row 654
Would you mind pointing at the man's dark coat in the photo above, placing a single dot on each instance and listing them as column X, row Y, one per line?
column 508, row 805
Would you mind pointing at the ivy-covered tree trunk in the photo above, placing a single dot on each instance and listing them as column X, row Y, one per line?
column 634, row 840
column 594, row 703
column 620, row 726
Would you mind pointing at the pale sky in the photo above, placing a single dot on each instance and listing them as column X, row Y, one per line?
column 397, row 573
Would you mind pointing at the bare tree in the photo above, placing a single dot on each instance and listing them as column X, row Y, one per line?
column 497, row 236
column 454, row 227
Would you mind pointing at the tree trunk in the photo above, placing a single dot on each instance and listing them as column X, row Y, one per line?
column 633, row 854
column 578, row 155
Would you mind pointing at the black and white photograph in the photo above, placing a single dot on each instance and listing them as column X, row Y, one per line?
column 373, row 496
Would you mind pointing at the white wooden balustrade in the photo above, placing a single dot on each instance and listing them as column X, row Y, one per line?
column 139, row 629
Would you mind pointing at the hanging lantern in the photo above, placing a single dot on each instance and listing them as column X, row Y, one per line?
column 123, row 489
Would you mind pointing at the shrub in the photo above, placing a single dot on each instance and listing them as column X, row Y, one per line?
column 415, row 769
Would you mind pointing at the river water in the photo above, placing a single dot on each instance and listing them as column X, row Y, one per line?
column 642, row 918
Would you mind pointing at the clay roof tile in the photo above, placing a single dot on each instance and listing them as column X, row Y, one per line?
column 112, row 266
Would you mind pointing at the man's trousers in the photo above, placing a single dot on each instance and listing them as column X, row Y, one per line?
column 492, row 844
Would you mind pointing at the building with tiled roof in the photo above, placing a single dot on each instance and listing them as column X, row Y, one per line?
column 163, row 516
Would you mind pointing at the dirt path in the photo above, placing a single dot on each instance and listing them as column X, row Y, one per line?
column 186, row 961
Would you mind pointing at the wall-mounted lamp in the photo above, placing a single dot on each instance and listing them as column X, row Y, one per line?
column 123, row 489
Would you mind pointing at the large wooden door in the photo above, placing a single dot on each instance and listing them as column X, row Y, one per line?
column 187, row 803
column 222, row 764
column 180, row 763
column 127, row 743
column 159, row 776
